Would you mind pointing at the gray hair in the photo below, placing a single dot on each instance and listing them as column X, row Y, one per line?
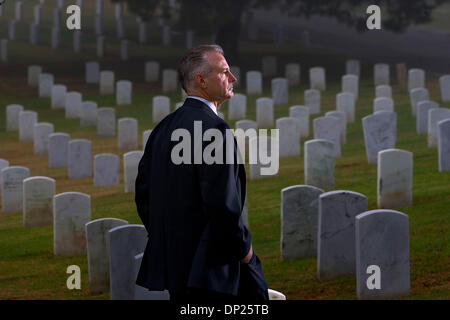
column 194, row 60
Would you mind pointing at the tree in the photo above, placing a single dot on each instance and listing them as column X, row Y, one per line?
column 223, row 18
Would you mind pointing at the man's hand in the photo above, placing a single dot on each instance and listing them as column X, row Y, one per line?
column 249, row 255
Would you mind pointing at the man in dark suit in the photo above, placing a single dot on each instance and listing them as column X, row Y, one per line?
column 198, row 247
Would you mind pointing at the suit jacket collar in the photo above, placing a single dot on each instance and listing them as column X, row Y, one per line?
column 199, row 104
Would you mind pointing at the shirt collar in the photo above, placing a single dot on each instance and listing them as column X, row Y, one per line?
column 208, row 103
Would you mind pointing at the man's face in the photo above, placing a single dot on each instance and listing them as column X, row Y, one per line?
column 218, row 83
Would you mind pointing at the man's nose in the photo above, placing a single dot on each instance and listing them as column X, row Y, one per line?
column 232, row 78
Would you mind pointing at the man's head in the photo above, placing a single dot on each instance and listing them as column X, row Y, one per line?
column 204, row 72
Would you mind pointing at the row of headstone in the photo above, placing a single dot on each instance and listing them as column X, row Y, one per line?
column 346, row 238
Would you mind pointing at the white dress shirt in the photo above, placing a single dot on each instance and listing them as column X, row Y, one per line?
column 208, row 103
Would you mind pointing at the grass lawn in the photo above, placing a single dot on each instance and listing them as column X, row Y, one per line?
column 28, row 268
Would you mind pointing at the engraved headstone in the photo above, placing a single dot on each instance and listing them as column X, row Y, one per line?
column 123, row 92
column 336, row 232
column 71, row 212
column 254, row 82
column 383, row 104
column 444, row 85
column 38, row 195
column 343, row 121
column 106, row 169
column 80, row 159
column 88, row 115
column 127, row 134
column 380, row 133
column 40, row 137
column 106, row 122
column 299, row 217
column 395, row 178
column 12, row 117
column 319, row 163
column 417, row 95
column 381, row 74
column 264, row 112
column 422, row 115
column 434, row 116
column 73, row 104
column 161, row 108
column 317, row 78
column 289, row 137
column 58, row 150
column 312, row 100
column 416, row 79
column 443, row 128
column 353, row 67
column 345, row 102
column 301, row 114
column 12, row 188
column 58, row 96
column 97, row 245
column 350, row 83
column 280, row 91
column 329, row 128
column 383, row 91
column 27, row 120
column 382, row 239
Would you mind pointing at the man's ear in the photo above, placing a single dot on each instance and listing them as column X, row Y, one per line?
column 200, row 81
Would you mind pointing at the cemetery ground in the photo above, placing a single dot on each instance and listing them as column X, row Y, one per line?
column 28, row 268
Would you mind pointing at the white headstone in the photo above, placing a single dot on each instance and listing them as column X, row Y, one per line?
column 319, row 163
column 254, row 82
column 18, row 13
column 289, row 137
column 99, row 7
column 383, row 104
column 443, row 129
column 160, row 108
column 416, row 79
column 312, row 100
column 382, row 240
column 12, row 29
column 34, row 32
column 38, row 195
column 380, row 133
column 381, row 74
column 444, row 85
column 27, row 120
column 46, row 81
column 80, row 159
column 106, row 122
column 106, row 82
column 383, row 91
column 350, row 83
column 395, row 178
column 58, row 96
column 342, row 117
column 127, row 134
column 353, row 67
column 12, row 188
column 237, row 106
column 264, row 112
column 434, row 116
column 299, row 217
column 264, row 145
column 422, row 115
column 12, row 117
column 73, row 104
column 317, row 78
column 417, row 95
column 301, row 114
column 100, row 46
column 280, row 91
column 345, row 102
column 97, row 245
column 336, row 232
column 58, row 150
column 3, row 164
column 33, row 75
column 106, row 169
column 329, row 128
column 88, row 115
column 98, row 25
column 292, row 73
column 130, row 169
column 123, row 92
column 71, row 212
column 40, row 137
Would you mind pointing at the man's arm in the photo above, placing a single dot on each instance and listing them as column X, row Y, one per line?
column 221, row 196
column 142, row 187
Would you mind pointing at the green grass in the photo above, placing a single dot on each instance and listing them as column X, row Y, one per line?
column 28, row 268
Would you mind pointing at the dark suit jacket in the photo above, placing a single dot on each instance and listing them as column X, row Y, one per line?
column 191, row 211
